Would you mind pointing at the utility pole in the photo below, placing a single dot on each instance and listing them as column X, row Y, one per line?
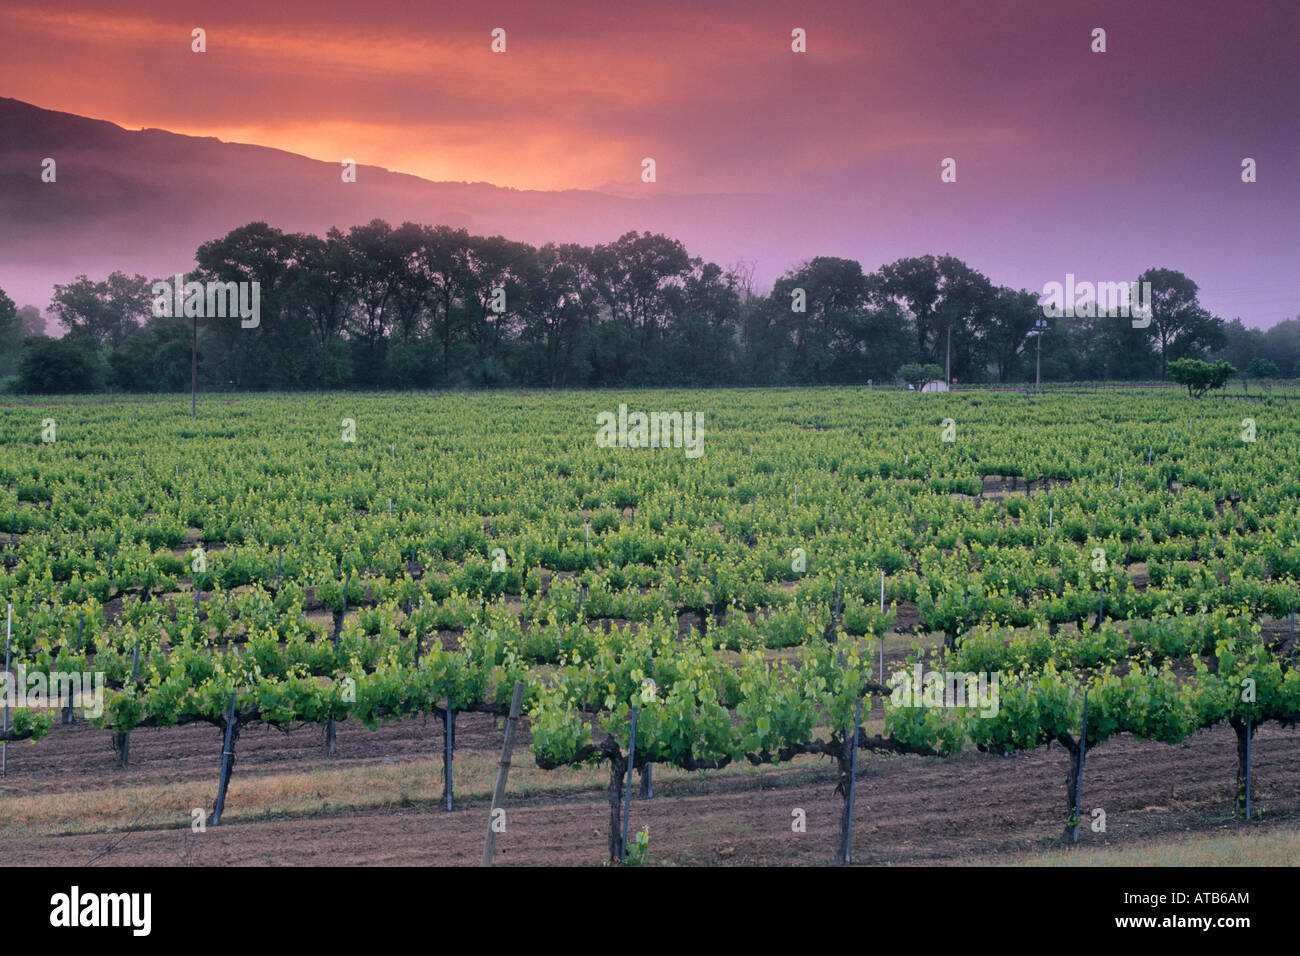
column 194, row 369
column 947, row 359
column 1040, row 326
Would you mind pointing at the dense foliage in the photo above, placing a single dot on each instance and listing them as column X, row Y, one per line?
column 734, row 598
column 434, row 307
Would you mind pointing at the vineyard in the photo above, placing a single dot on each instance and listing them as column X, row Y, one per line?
column 1109, row 564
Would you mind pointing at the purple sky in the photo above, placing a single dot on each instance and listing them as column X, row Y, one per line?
column 1067, row 160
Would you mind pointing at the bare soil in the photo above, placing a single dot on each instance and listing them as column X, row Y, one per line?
column 973, row 808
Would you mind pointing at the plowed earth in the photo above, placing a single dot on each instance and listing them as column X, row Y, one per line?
column 973, row 808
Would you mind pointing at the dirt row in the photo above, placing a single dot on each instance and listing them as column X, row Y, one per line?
column 969, row 808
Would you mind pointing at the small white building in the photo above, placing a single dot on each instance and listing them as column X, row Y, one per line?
column 935, row 385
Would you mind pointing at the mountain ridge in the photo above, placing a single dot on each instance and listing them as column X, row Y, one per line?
column 144, row 200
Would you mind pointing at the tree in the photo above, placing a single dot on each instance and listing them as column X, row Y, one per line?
column 59, row 366
column 156, row 360
column 1007, row 334
column 1262, row 368
column 764, row 341
column 943, row 297
column 633, row 275
column 1259, row 368
column 1282, row 345
column 381, row 270
column 324, row 282
column 104, row 312
column 1182, row 327
column 828, row 332
column 558, row 313
column 916, row 374
column 1200, row 377
column 495, row 264
column 912, row 284
column 966, row 313
column 32, row 320
column 11, row 333
column 417, row 306
column 1117, row 350
column 442, row 262
column 702, row 334
column 8, row 313
column 1240, row 344
column 276, row 353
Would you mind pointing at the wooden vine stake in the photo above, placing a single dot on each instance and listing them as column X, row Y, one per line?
column 1250, row 732
column 846, row 824
column 4, row 746
column 627, row 800
column 135, row 676
column 882, row 630
column 647, row 772
column 331, row 731
column 67, row 711
column 227, row 763
column 503, row 770
column 1078, row 773
column 448, row 745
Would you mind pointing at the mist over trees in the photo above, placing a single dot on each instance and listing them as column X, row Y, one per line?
column 416, row 306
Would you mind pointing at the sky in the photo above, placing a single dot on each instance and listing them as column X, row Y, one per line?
column 1099, row 164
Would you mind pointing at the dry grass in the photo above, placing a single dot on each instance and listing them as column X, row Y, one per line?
column 1272, row 846
column 320, row 789
column 317, row 790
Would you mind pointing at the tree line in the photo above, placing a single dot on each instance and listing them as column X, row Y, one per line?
column 416, row 306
